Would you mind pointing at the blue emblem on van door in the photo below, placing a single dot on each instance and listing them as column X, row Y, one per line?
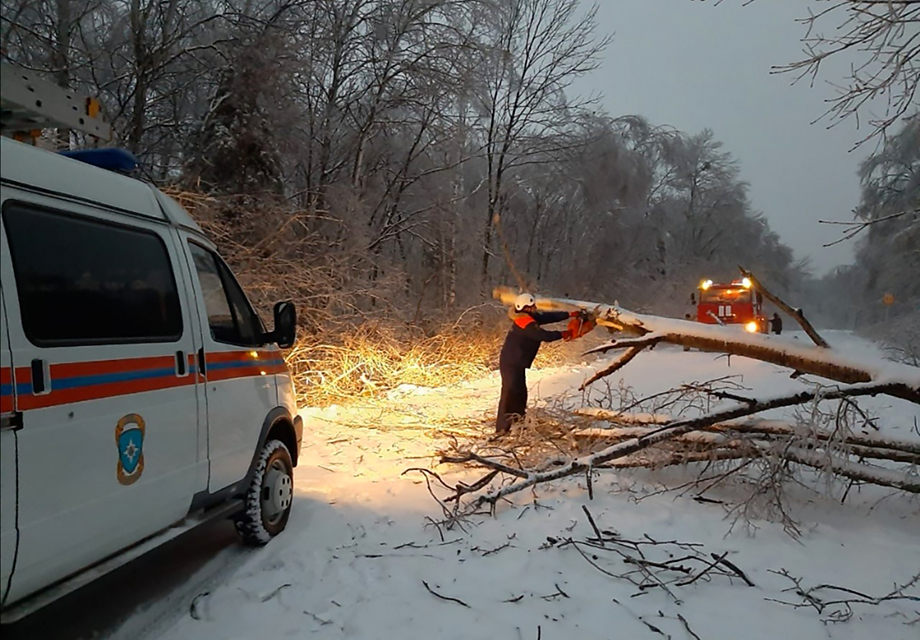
column 129, row 439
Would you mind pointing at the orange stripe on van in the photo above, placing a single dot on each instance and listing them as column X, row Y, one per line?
column 6, row 389
column 226, row 365
column 98, row 392
column 82, row 381
column 70, row 369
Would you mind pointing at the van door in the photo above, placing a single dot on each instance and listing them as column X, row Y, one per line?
column 238, row 369
column 9, row 535
column 100, row 343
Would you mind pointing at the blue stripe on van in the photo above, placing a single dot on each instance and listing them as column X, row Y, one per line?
column 87, row 381
column 108, row 378
column 21, row 388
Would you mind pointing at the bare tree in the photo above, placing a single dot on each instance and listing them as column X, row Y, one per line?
column 883, row 37
column 387, row 143
column 534, row 50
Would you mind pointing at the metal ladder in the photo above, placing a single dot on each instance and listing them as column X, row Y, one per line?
column 29, row 103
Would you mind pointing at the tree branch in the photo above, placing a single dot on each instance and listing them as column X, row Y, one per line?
column 796, row 314
column 681, row 427
column 901, row 381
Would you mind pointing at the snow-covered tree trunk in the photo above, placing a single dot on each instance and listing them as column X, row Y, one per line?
column 897, row 380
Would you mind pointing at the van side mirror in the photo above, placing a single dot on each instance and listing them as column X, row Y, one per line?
column 285, row 330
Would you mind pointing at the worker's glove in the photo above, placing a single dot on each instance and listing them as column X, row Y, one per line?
column 580, row 313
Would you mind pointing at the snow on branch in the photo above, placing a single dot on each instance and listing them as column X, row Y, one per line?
column 730, row 436
column 797, row 314
column 525, row 479
column 757, row 426
column 897, row 380
column 679, row 427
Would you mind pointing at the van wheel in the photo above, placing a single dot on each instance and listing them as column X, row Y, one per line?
column 268, row 499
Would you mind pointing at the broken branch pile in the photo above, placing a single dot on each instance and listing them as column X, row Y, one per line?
column 610, row 439
column 724, row 436
column 673, row 566
column 840, row 451
column 650, row 564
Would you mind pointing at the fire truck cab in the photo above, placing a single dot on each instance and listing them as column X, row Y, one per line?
column 733, row 303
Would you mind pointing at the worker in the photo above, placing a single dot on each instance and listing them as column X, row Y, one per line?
column 776, row 324
column 520, row 349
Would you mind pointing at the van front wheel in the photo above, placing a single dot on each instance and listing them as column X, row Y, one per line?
column 268, row 499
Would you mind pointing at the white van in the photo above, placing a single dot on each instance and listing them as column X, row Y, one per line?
column 140, row 393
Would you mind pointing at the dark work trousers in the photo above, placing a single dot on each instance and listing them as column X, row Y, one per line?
column 513, row 401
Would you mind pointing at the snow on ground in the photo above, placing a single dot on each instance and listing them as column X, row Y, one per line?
column 358, row 549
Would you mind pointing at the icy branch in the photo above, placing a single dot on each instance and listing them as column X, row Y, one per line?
column 893, row 379
column 678, row 428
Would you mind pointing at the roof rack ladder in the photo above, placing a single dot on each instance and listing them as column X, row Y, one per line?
column 29, row 103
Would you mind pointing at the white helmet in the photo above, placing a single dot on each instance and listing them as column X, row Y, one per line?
column 524, row 300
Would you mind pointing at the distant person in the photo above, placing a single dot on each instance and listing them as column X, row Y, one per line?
column 520, row 348
column 776, row 324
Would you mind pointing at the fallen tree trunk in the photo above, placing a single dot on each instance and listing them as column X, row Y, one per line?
column 900, row 381
column 755, row 426
column 680, row 427
column 707, row 441
column 853, row 471
column 796, row 314
column 726, row 434
column 816, row 460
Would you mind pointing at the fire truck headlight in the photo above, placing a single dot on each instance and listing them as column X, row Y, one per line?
column 705, row 284
column 752, row 326
column 746, row 283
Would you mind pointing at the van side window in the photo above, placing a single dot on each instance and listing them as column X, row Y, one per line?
column 82, row 281
column 230, row 316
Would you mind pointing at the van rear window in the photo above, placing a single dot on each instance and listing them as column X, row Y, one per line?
column 81, row 281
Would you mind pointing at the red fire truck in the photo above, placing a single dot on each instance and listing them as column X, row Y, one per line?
column 734, row 303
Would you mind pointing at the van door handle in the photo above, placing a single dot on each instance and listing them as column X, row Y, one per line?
column 202, row 366
column 39, row 379
column 181, row 364
column 11, row 421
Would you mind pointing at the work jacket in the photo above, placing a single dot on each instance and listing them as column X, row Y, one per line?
column 525, row 336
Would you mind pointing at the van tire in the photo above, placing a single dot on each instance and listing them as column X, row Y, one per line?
column 269, row 496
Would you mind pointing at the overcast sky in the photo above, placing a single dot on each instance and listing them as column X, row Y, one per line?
column 694, row 65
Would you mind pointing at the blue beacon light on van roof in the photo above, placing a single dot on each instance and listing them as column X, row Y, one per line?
column 111, row 159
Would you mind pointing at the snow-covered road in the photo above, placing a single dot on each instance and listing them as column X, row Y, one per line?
column 358, row 554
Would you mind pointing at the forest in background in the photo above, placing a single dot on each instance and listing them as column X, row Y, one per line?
column 393, row 160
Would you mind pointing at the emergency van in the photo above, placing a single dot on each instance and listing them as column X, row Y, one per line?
column 140, row 393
